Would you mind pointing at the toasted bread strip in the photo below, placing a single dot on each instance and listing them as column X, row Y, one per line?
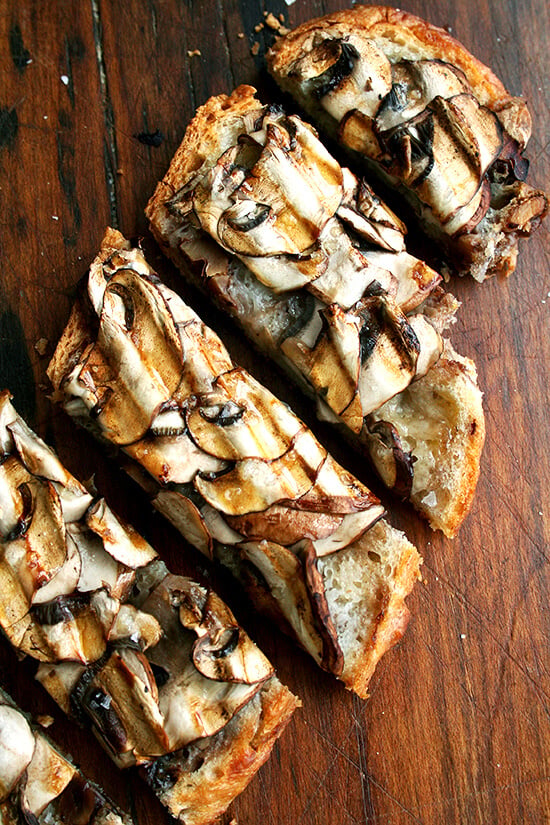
column 40, row 784
column 361, row 329
column 426, row 116
column 233, row 468
column 155, row 663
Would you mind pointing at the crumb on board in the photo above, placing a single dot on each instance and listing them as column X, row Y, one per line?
column 41, row 346
column 259, row 27
column 45, row 720
column 120, row 171
column 255, row 48
column 194, row 53
column 275, row 24
column 241, row 35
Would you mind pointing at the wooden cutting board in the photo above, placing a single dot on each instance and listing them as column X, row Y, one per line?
column 457, row 728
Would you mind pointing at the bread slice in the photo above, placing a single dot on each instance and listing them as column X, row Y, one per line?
column 154, row 663
column 38, row 783
column 427, row 117
column 233, row 468
column 353, row 317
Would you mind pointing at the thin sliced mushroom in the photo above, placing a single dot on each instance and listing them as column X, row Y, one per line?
column 16, row 748
column 47, row 775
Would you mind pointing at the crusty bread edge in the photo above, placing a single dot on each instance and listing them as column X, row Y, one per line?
column 398, row 26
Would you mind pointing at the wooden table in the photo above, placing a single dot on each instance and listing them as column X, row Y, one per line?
column 457, row 729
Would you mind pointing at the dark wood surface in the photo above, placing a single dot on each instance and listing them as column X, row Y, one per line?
column 457, row 729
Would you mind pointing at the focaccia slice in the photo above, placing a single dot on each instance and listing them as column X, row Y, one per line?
column 426, row 116
column 314, row 267
column 40, row 784
column 155, row 663
column 233, row 468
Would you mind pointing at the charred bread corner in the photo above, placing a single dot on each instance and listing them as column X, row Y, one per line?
column 314, row 267
column 155, row 663
column 233, row 468
column 427, row 117
column 39, row 784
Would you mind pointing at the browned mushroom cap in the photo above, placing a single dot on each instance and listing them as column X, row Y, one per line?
column 283, row 573
column 285, row 524
column 241, row 419
column 136, row 362
column 194, row 705
column 47, row 775
column 393, row 462
column 415, row 84
column 16, row 748
column 255, row 484
column 345, row 73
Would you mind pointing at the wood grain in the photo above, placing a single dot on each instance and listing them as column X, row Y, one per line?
column 457, row 729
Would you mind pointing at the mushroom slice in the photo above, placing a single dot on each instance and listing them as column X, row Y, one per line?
column 415, row 84
column 135, row 626
column 16, row 748
column 47, row 775
column 98, row 569
column 389, row 352
column 393, row 462
column 60, row 679
column 285, row 524
column 122, row 701
column 204, row 356
column 357, row 132
column 283, row 573
column 186, row 517
column 120, row 539
column 255, row 484
column 173, row 458
column 415, row 280
column 14, row 604
column 66, row 628
column 351, row 528
column 298, row 180
column 371, row 219
column 333, row 657
column 14, row 508
column 349, row 273
column 136, row 363
column 354, row 74
column 192, row 705
column 284, row 273
column 39, row 553
column 333, row 364
column 66, row 579
column 476, row 127
column 337, row 491
column 222, row 651
column 41, row 461
column 430, row 342
column 241, row 419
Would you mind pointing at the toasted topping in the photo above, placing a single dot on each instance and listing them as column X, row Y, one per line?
column 48, row 774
